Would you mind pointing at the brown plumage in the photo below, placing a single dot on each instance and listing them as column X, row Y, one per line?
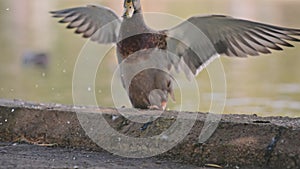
column 146, row 56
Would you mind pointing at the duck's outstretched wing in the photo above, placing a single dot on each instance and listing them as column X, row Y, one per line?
column 198, row 39
column 96, row 22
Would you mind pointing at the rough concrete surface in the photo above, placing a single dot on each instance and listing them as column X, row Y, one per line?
column 33, row 156
column 240, row 141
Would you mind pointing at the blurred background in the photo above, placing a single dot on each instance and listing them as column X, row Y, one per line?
column 38, row 55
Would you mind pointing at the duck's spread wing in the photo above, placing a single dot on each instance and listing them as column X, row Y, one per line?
column 96, row 22
column 198, row 39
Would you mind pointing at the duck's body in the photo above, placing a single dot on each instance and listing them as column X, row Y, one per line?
column 134, row 36
column 142, row 84
column 143, row 53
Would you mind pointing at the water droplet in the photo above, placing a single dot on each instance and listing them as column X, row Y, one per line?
column 12, row 90
column 36, row 86
column 5, row 120
column 76, row 167
column 114, row 118
column 74, row 158
column 68, row 122
column 119, row 139
column 12, row 110
column 7, row 9
column 164, row 137
column 43, row 74
column 64, row 70
column 89, row 89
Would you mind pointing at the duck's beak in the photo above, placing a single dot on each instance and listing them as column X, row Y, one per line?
column 129, row 9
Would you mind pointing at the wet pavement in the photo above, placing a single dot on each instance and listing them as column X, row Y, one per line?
column 15, row 155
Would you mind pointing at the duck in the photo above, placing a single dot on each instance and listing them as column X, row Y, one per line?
column 146, row 56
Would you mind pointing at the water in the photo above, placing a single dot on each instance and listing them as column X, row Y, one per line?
column 268, row 85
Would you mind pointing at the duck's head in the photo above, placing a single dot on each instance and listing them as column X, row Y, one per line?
column 131, row 7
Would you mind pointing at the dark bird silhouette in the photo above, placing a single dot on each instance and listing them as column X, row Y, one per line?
column 40, row 59
column 146, row 56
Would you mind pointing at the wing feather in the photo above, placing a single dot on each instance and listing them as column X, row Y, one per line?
column 226, row 35
column 96, row 22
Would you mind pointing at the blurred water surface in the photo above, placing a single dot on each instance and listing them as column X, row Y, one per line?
column 267, row 85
